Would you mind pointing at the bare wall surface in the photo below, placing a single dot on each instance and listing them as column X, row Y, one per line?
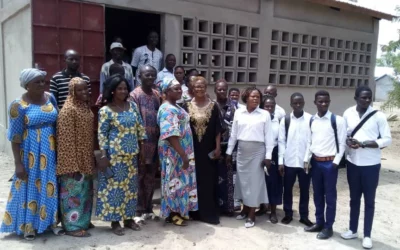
column 248, row 5
column 17, row 51
column 320, row 14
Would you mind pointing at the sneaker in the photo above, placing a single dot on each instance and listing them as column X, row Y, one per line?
column 367, row 243
column 349, row 235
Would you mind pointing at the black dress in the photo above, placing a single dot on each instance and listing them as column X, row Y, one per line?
column 206, row 125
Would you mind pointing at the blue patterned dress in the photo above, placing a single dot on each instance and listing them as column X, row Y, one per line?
column 32, row 205
column 119, row 134
column 178, row 186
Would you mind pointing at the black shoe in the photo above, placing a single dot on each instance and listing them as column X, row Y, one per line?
column 325, row 234
column 306, row 222
column 314, row 228
column 286, row 220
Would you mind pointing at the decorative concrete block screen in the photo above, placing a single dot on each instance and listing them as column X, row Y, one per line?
column 220, row 50
column 307, row 60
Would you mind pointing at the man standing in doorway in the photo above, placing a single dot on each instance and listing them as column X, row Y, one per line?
column 368, row 131
column 148, row 102
column 168, row 70
column 59, row 83
column 271, row 90
column 117, row 51
column 325, row 147
column 147, row 55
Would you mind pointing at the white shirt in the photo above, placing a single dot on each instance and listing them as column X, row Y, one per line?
column 254, row 126
column 370, row 131
column 279, row 112
column 164, row 73
column 185, row 94
column 321, row 141
column 292, row 153
column 275, row 130
column 143, row 56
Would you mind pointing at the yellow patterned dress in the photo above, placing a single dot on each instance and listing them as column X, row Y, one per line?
column 32, row 205
column 119, row 135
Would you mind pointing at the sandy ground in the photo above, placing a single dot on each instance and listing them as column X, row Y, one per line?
column 231, row 234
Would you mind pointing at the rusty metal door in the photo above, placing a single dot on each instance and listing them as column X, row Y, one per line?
column 59, row 25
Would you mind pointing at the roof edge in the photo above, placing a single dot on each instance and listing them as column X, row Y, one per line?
column 355, row 8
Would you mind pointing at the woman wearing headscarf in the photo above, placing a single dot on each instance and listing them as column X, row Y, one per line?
column 175, row 148
column 75, row 160
column 205, row 122
column 33, row 199
column 121, row 134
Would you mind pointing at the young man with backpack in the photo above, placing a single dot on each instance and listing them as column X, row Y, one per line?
column 368, row 131
column 325, row 148
column 295, row 129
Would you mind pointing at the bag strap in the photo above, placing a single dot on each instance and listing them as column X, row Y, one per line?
column 287, row 125
column 334, row 127
column 362, row 122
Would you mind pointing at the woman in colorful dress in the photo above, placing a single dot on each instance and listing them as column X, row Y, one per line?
column 121, row 134
column 225, row 173
column 33, row 199
column 274, row 179
column 206, row 125
column 175, row 148
column 75, row 159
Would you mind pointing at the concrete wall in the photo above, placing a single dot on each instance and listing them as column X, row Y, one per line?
column 383, row 86
column 15, row 54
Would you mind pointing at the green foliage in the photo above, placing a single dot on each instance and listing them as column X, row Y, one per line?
column 393, row 100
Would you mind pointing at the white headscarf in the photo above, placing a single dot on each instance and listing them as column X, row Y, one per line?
column 28, row 75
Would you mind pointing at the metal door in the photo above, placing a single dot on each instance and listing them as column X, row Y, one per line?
column 59, row 25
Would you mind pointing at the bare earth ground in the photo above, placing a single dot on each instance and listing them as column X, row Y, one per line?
column 231, row 234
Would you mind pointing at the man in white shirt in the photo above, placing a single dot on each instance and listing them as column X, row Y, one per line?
column 147, row 55
column 325, row 147
column 364, row 159
column 168, row 70
column 271, row 90
column 294, row 131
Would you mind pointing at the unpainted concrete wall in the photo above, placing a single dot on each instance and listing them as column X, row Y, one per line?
column 16, row 54
column 383, row 87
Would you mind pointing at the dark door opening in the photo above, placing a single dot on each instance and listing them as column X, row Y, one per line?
column 132, row 27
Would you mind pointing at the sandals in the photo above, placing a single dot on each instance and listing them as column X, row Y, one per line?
column 273, row 218
column 79, row 234
column 132, row 225
column 117, row 229
column 30, row 236
column 176, row 220
column 249, row 223
column 58, row 231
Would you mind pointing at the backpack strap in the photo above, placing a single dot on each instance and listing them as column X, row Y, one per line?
column 362, row 123
column 334, row 127
column 287, row 125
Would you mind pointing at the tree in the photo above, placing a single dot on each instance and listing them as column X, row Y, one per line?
column 391, row 58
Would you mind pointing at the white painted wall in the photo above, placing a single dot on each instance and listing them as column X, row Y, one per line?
column 16, row 54
column 383, row 86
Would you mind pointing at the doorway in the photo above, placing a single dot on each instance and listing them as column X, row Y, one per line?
column 132, row 27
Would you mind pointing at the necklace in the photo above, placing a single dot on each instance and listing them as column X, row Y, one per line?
column 122, row 109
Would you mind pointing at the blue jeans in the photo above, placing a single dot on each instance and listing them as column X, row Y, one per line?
column 363, row 180
column 288, row 182
column 324, row 178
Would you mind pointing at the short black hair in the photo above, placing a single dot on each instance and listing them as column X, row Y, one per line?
column 266, row 98
column 248, row 91
column 296, row 94
column 180, row 67
column 220, row 81
column 116, row 68
column 169, row 56
column 362, row 89
column 233, row 89
column 322, row 93
column 190, row 71
column 111, row 84
column 144, row 66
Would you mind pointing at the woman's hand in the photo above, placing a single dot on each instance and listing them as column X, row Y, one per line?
column 282, row 170
column 229, row 160
column 217, row 153
column 267, row 163
column 103, row 164
column 20, row 171
column 185, row 160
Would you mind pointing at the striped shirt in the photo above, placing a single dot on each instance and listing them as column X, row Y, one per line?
column 59, row 85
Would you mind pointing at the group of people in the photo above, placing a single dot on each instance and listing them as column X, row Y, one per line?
column 216, row 156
